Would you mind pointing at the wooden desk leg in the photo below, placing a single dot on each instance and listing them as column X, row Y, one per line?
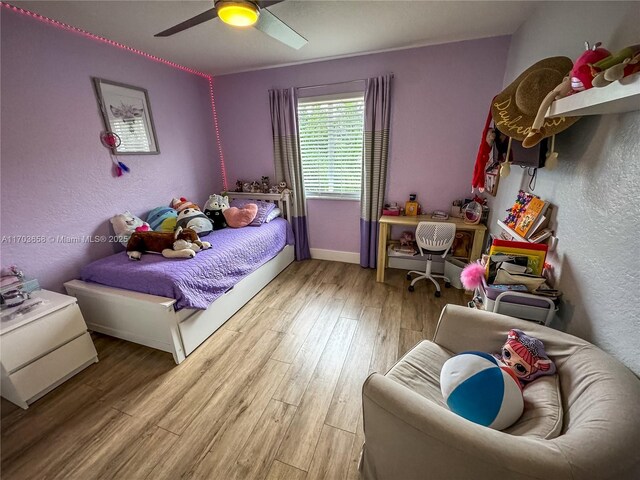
column 383, row 229
column 476, row 248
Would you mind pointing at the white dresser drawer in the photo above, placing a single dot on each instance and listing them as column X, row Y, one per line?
column 50, row 369
column 30, row 341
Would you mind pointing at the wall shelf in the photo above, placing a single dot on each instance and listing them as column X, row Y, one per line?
column 619, row 97
column 511, row 232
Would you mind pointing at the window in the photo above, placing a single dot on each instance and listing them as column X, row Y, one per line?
column 331, row 134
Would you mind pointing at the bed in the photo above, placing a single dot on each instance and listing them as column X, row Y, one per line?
column 174, row 305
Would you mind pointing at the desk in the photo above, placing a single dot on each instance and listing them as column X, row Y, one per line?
column 384, row 234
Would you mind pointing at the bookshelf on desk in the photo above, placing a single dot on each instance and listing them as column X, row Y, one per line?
column 387, row 221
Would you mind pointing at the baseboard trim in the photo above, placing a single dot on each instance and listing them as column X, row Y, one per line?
column 335, row 255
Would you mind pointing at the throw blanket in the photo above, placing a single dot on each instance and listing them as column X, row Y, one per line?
column 196, row 282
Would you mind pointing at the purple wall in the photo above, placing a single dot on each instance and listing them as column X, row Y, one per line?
column 56, row 176
column 441, row 96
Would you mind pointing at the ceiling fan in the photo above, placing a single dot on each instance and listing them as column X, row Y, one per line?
column 244, row 13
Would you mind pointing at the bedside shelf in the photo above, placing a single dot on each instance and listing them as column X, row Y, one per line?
column 619, row 97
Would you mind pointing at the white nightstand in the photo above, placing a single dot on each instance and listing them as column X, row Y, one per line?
column 43, row 348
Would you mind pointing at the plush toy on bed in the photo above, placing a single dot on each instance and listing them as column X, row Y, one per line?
column 525, row 356
column 163, row 219
column 124, row 224
column 182, row 203
column 214, row 209
column 196, row 220
column 184, row 243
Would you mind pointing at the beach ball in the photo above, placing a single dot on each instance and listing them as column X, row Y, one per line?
column 475, row 386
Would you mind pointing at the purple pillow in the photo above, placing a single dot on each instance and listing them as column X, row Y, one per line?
column 264, row 209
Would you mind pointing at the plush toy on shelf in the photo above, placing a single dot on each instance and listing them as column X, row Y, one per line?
column 283, row 189
column 214, row 209
column 273, row 189
column 246, row 187
column 239, row 184
column 184, row 243
column 125, row 224
column 617, row 66
column 255, row 187
column 196, row 220
column 582, row 73
column 265, row 184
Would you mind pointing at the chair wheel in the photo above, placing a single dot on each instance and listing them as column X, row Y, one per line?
column 447, row 285
column 437, row 294
column 411, row 289
column 408, row 276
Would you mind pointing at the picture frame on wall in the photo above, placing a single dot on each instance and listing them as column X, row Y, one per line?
column 126, row 111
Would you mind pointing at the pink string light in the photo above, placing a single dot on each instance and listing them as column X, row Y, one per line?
column 155, row 58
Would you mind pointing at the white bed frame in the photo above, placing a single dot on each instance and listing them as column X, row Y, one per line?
column 153, row 321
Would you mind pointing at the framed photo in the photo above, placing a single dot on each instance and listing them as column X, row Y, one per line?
column 126, row 111
column 491, row 179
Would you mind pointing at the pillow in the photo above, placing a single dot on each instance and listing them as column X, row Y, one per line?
column 542, row 417
column 240, row 217
column 264, row 209
column 275, row 213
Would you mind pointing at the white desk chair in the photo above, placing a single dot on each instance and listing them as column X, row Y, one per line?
column 433, row 237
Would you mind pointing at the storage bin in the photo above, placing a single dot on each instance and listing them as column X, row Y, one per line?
column 415, row 262
column 452, row 270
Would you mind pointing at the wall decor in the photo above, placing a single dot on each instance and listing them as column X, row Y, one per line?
column 126, row 111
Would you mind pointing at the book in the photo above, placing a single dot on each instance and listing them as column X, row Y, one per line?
column 541, row 235
column 531, row 216
column 536, row 252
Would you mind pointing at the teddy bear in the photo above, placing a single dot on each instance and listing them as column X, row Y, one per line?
column 196, row 220
column 214, row 209
column 283, row 189
column 125, row 224
column 273, row 189
column 265, row 184
column 184, row 243
column 255, row 187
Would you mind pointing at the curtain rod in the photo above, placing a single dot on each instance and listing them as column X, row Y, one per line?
column 334, row 83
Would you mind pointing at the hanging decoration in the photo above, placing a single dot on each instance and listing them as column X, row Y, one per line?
column 112, row 141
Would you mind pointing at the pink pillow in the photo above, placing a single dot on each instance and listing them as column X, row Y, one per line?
column 240, row 217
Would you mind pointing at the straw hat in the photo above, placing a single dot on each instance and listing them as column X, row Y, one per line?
column 515, row 108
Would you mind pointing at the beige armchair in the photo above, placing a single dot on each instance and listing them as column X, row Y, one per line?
column 411, row 434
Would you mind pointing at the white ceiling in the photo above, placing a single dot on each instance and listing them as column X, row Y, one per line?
column 333, row 28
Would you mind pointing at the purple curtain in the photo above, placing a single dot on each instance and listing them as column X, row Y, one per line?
column 377, row 119
column 286, row 154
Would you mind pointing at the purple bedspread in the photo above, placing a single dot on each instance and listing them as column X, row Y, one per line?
column 195, row 282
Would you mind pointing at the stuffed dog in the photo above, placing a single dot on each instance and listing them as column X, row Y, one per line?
column 184, row 243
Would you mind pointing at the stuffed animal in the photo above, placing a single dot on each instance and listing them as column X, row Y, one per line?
column 406, row 239
column 214, row 209
column 163, row 219
column 182, row 203
column 196, row 220
column 184, row 243
column 283, row 189
column 246, row 187
column 273, row 189
column 125, row 224
column 239, row 184
column 255, row 187
column 614, row 67
column 525, row 356
column 265, row 184
column 581, row 73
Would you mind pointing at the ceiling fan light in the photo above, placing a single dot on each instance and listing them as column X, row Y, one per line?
column 238, row 14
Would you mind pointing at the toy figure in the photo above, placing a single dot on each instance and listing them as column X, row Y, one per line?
column 246, row 187
column 239, row 184
column 525, row 356
column 265, row 184
column 255, row 187
column 406, row 240
column 581, row 73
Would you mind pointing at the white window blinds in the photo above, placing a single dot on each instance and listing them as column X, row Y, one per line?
column 331, row 135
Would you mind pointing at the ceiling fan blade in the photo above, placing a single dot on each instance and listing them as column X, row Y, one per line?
column 276, row 28
column 192, row 22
